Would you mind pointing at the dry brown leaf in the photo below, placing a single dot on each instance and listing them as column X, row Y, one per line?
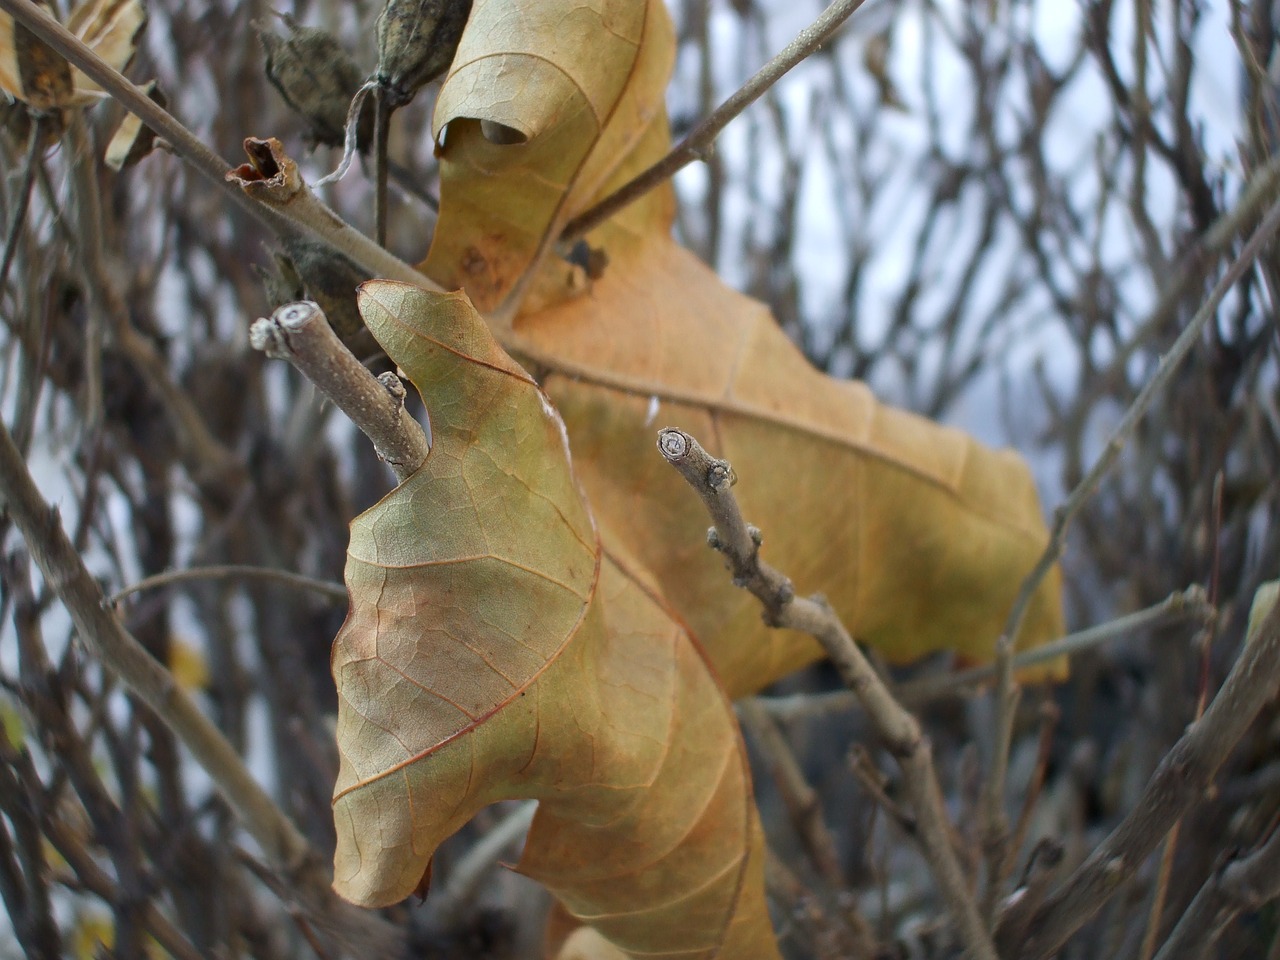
column 918, row 535
column 30, row 71
column 583, row 83
column 493, row 650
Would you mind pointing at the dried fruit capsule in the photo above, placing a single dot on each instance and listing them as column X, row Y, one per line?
column 317, row 78
column 416, row 43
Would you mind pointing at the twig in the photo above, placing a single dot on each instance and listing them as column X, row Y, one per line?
column 799, row 797
column 1018, row 908
column 696, row 144
column 381, row 136
column 87, row 214
column 210, row 462
column 23, row 865
column 1204, row 643
column 282, row 845
column 1245, row 883
column 271, row 178
column 1178, row 782
column 822, row 937
column 183, row 142
column 300, row 333
column 873, row 782
column 994, row 818
column 99, row 881
column 1050, row 715
column 1190, row 268
column 272, row 883
column 899, row 730
column 232, row 571
column 806, row 813
column 1185, row 604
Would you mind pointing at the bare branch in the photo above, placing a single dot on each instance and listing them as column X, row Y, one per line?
column 209, row 461
column 807, row 816
column 996, row 824
column 184, row 143
column 287, row 212
column 1245, row 883
column 474, row 866
column 1189, row 604
column 300, row 333
column 271, row 178
column 740, row 545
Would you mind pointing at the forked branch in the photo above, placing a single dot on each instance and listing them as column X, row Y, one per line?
column 740, row 544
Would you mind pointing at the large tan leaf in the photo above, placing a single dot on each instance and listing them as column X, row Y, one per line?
column 493, row 650
column 918, row 535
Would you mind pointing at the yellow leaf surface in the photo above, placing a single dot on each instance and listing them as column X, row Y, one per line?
column 93, row 933
column 918, row 535
column 188, row 665
column 494, row 650
column 11, row 724
column 30, row 71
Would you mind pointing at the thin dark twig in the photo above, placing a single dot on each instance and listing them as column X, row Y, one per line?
column 381, row 136
column 798, row 795
column 232, row 571
column 807, row 815
column 185, row 143
column 24, row 201
column 79, row 592
column 696, row 144
column 310, row 217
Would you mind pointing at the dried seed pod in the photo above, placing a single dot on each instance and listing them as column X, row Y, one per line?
column 17, row 120
column 30, row 70
column 416, row 43
column 33, row 72
column 281, row 285
column 310, row 270
column 317, row 78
